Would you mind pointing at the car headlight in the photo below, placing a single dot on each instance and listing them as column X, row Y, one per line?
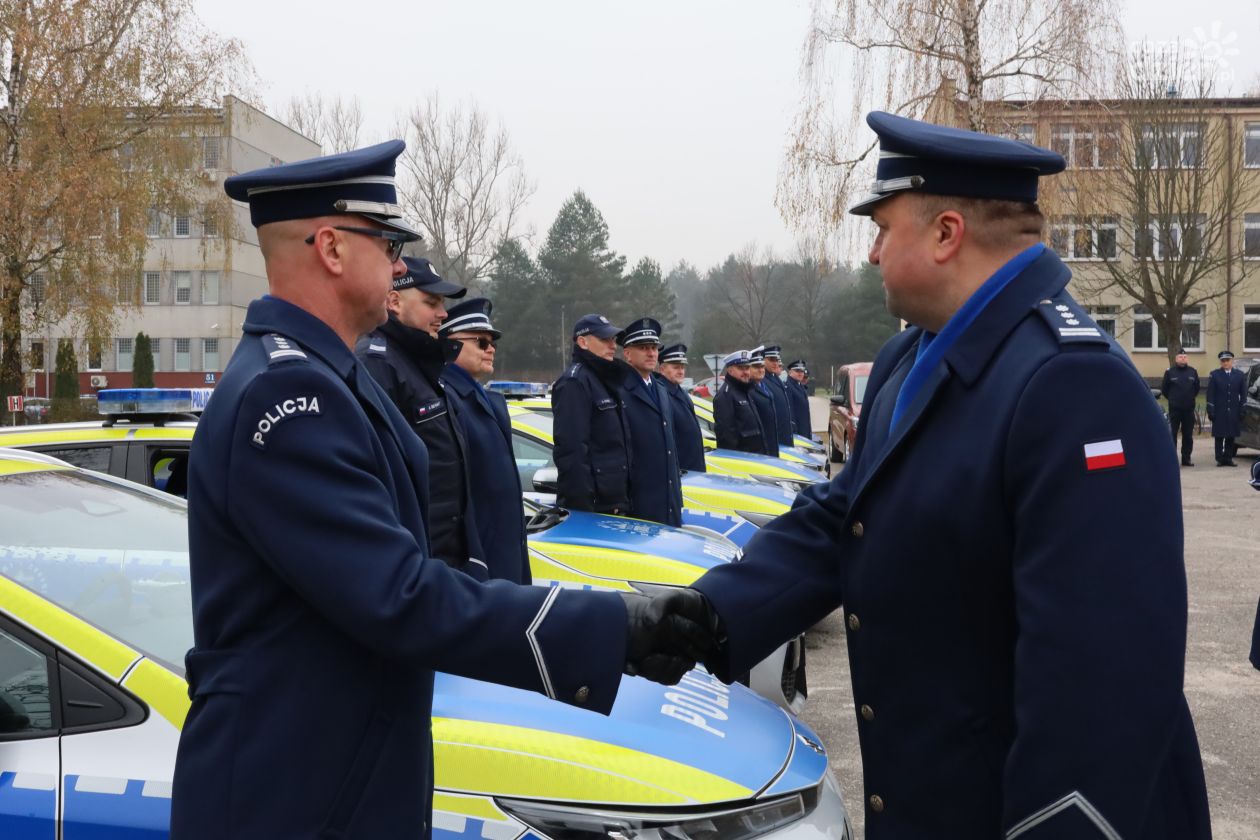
column 573, row 823
column 761, row 520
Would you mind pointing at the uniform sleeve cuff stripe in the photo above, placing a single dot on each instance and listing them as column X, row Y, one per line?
column 543, row 674
column 1073, row 799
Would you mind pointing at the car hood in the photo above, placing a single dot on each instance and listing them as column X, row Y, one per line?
column 772, row 466
column 770, row 496
column 699, row 742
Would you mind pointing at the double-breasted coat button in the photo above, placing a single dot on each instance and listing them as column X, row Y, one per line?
column 877, row 803
column 868, row 713
column 855, row 623
column 857, row 530
column 582, row 694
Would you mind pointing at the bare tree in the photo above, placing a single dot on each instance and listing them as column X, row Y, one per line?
column 461, row 180
column 1162, row 208
column 99, row 129
column 335, row 124
column 752, row 291
column 904, row 55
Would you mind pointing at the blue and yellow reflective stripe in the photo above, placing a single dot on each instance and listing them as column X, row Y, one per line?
column 38, row 438
column 95, row 647
column 17, row 467
column 724, row 501
column 611, row 567
column 165, row 692
column 516, row 761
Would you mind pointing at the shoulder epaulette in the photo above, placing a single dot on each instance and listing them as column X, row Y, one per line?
column 280, row 349
column 1069, row 323
column 573, row 370
column 376, row 346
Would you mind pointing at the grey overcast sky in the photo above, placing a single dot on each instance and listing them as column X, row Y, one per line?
column 671, row 115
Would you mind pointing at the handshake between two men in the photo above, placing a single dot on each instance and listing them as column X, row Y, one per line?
column 669, row 633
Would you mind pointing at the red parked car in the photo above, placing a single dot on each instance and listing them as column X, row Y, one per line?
column 846, row 407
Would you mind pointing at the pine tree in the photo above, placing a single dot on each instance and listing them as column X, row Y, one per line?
column 583, row 274
column 142, row 362
column 530, row 345
column 647, row 294
column 65, row 404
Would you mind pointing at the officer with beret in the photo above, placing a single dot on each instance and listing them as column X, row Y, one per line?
column 496, row 498
column 687, row 434
column 735, row 421
column 778, row 392
column 759, row 393
column 655, row 478
column 405, row 356
column 319, row 615
column 1011, row 572
column 798, row 397
column 1180, row 386
column 1226, row 396
column 592, row 436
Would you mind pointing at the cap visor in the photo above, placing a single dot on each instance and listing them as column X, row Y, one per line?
column 445, row 288
column 868, row 202
column 394, row 223
column 604, row 331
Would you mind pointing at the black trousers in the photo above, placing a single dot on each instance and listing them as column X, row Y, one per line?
column 1226, row 449
column 1183, row 419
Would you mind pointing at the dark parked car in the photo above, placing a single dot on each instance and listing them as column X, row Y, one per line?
column 1250, row 436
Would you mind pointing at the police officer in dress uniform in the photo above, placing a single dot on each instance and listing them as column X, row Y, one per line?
column 687, row 434
column 759, row 393
column 777, row 389
column 798, row 397
column 405, row 356
column 655, row 477
column 319, row 615
column 496, row 498
column 1226, row 396
column 592, row 437
column 1017, row 656
column 735, row 422
column 1180, row 387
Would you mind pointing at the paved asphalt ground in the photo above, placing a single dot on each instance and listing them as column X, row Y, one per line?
column 1222, row 522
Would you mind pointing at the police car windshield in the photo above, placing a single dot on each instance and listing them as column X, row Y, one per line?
column 115, row 556
column 537, row 422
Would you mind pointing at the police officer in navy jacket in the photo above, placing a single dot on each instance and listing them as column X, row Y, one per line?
column 773, row 360
column 483, row 414
column 1180, row 386
column 1226, row 396
column 736, row 423
column 1011, row 572
column 405, row 356
column 798, row 397
column 592, row 438
column 319, row 615
column 687, row 434
column 759, row 393
column 655, row 478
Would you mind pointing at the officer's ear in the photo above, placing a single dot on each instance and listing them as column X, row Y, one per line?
column 330, row 249
column 393, row 301
column 948, row 229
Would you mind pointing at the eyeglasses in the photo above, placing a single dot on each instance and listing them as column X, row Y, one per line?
column 482, row 342
column 394, row 239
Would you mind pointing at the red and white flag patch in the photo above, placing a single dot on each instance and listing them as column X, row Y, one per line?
column 1104, row 455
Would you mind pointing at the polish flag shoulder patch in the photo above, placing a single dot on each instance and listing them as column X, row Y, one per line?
column 1104, row 455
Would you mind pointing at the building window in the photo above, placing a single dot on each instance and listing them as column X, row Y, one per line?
column 1251, row 146
column 209, row 354
column 1024, row 132
column 209, row 152
column 153, row 223
column 1251, row 328
column 209, row 223
column 183, row 225
column 183, row 354
column 95, row 353
column 210, row 287
column 126, row 290
column 124, row 353
column 182, row 282
column 155, row 344
column 1086, row 147
column 1088, row 238
column 1105, row 318
column 37, row 355
column 38, row 289
column 1172, row 146
column 1165, row 239
column 1148, row 336
column 152, row 287
column 1251, row 236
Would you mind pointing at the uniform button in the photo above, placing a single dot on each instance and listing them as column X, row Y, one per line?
column 857, row 529
column 855, row 623
column 868, row 713
column 582, row 694
column 877, row 803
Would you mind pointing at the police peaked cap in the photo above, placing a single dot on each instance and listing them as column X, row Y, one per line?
column 642, row 331
column 757, row 355
column 797, row 364
column 596, row 325
column 1224, row 354
column 420, row 275
column 360, row 182
column 773, row 351
column 921, row 157
column 472, row 315
column 675, row 353
column 739, row 357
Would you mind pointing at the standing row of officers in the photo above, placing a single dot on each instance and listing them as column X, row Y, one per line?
column 1226, row 396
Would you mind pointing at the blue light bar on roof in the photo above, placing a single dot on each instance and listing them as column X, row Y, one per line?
column 114, row 401
column 518, row 389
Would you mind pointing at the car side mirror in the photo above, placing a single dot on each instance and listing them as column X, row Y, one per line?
column 547, row 480
column 839, row 400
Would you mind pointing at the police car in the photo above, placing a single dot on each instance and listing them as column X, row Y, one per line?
column 804, row 450
column 95, row 617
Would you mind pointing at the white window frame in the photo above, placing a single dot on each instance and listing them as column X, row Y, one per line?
column 211, row 152
column 1193, row 315
column 42, row 365
column 209, row 224
column 207, row 353
column 124, row 348
column 1251, row 140
column 87, row 355
column 1251, row 224
column 1072, row 227
column 181, row 282
column 210, row 290
column 1107, row 313
column 182, row 228
column 1066, row 138
column 152, row 282
column 1177, row 234
column 1251, row 315
column 155, row 345
column 1181, row 131
column 153, row 223
column 37, row 288
column 183, row 358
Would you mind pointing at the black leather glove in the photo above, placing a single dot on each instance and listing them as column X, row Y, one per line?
column 668, row 634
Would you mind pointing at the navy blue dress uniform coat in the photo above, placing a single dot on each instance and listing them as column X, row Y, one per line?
column 1016, row 621
column 592, row 439
column 736, row 423
column 319, row 617
column 497, row 502
column 798, row 398
column 687, row 435
column 1226, row 396
column 407, row 363
column 783, row 422
column 655, row 478
column 763, row 403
